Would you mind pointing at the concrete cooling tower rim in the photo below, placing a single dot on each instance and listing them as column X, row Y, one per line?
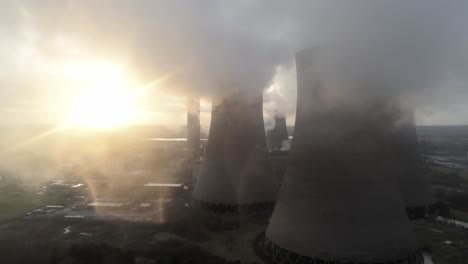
column 277, row 254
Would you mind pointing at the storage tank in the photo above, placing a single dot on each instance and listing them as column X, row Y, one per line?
column 236, row 174
column 340, row 200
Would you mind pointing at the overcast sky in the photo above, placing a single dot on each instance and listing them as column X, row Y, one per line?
column 211, row 47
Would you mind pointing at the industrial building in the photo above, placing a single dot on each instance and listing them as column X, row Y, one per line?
column 236, row 175
column 339, row 201
column 157, row 190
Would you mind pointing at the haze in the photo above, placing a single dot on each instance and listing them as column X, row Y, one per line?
column 60, row 57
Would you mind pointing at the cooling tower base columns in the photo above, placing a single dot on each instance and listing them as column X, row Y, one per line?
column 276, row 254
column 234, row 209
column 226, row 216
column 421, row 212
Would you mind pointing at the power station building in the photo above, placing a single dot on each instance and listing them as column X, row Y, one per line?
column 339, row 201
column 236, row 175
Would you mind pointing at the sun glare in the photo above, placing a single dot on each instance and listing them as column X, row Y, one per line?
column 106, row 100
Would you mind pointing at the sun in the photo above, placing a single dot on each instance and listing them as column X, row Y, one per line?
column 103, row 109
column 107, row 97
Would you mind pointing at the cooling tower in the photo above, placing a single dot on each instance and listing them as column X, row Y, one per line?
column 279, row 134
column 193, row 126
column 413, row 182
column 236, row 175
column 339, row 202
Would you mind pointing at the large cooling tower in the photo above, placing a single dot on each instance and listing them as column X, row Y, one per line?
column 339, row 202
column 412, row 179
column 236, row 175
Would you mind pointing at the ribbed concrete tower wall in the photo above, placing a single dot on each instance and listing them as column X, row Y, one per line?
column 193, row 125
column 340, row 199
column 413, row 181
column 236, row 171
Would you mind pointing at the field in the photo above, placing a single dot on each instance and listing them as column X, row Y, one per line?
column 13, row 204
column 447, row 244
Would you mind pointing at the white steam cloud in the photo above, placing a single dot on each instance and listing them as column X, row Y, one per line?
column 210, row 47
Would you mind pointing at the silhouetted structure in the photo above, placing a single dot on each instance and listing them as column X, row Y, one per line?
column 278, row 134
column 193, row 126
column 236, row 175
column 413, row 181
column 339, row 201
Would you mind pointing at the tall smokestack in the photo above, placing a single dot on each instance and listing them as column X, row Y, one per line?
column 236, row 175
column 193, row 126
column 339, row 202
column 413, row 181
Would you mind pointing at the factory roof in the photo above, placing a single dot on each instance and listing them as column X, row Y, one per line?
column 176, row 185
column 105, row 204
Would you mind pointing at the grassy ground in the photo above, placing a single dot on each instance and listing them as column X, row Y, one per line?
column 234, row 245
column 14, row 204
column 447, row 244
column 182, row 242
column 458, row 215
column 175, row 242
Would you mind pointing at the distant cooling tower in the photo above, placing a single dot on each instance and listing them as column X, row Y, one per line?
column 193, row 125
column 339, row 202
column 236, row 175
column 279, row 134
column 413, row 181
